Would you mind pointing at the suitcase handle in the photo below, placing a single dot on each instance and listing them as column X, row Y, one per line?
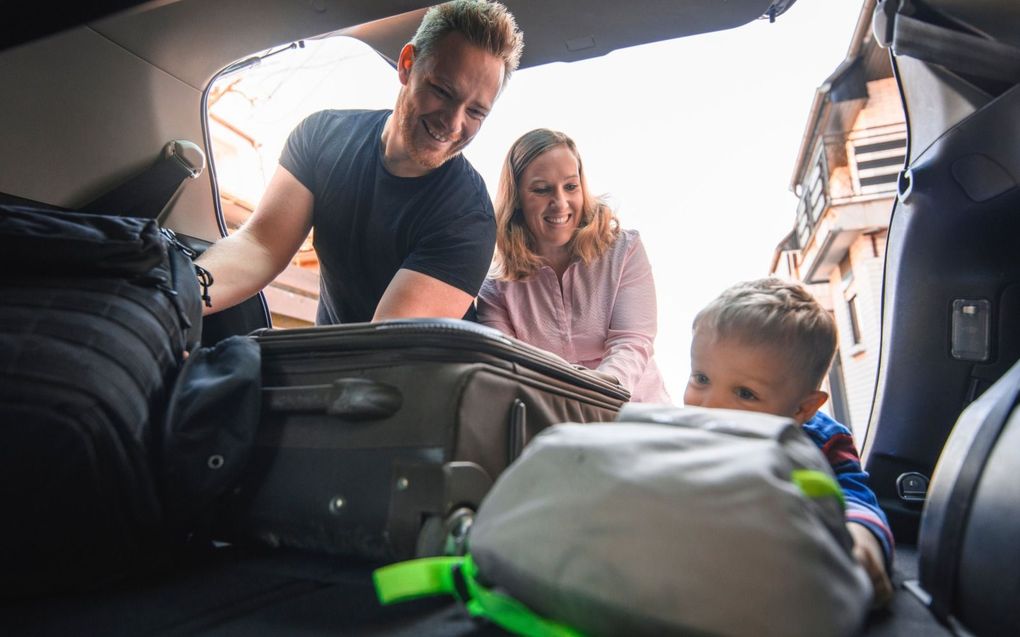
column 347, row 398
column 518, row 430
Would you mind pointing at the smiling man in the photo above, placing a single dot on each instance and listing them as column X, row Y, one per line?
column 403, row 223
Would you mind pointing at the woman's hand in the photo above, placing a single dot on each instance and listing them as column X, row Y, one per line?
column 609, row 378
column 868, row 552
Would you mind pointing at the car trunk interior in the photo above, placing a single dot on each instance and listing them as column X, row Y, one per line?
column 135, row 77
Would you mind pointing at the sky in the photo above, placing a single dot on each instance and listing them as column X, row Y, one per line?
column 692, row 140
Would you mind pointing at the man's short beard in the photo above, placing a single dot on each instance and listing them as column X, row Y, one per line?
column 406, row 123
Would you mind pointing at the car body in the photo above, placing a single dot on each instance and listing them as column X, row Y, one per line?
column 92, row 99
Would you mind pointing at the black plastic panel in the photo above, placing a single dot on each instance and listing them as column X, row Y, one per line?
column 943, row 246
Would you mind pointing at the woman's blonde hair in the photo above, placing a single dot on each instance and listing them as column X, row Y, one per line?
column 515, row 257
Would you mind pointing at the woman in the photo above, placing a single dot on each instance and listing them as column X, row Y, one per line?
column 566, row 277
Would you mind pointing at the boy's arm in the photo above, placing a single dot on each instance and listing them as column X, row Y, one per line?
column 861, row 504
column 837, row 444
column 868, row 553
column 865, row 521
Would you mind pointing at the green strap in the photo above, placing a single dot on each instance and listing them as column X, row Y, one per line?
column 436, row 576
column 817, row 484
column 405, row 581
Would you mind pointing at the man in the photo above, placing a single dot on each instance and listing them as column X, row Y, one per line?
column 403, row 223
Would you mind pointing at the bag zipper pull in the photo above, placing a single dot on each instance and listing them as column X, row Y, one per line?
column 205, row 281
column 175, row 242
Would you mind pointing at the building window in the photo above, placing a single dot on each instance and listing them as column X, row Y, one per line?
column 846, row 274
column 813, row 196
column 877, row 156
column 855, row 322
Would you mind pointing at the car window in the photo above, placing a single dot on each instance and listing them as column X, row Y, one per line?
column 250, row 114
column 693, row 141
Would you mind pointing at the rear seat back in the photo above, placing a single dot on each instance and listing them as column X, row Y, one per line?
column 968, row 544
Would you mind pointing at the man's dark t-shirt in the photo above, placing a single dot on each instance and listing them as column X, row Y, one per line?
column 369, row 223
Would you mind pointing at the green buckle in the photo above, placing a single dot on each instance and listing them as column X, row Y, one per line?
column 458, row 576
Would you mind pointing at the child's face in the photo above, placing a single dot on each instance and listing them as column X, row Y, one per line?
column 730, row 374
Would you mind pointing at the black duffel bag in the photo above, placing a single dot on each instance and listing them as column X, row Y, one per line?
column 96, row 315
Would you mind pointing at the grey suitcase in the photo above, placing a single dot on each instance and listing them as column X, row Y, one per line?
column 379, row 440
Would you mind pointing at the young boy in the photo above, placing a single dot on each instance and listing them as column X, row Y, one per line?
column 765, row 346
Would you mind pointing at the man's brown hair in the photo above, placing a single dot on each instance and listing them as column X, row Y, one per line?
column 487, row 25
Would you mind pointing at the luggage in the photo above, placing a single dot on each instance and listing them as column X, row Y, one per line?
column 211, row 420
column 969, row 541
column 670, row 522
column 96, row 315
column 379, row 440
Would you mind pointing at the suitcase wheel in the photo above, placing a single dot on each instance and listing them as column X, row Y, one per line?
column 445, row 536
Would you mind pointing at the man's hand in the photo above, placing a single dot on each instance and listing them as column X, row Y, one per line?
column 868, row 552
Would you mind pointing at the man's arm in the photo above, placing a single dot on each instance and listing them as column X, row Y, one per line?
column 415, row 295
column 248, row 260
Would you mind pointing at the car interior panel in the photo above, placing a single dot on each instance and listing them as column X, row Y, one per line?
column 951, row 227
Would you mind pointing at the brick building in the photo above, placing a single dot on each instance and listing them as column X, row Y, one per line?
column 845, row 177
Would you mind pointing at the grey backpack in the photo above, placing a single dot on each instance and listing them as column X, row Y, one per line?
column 675, row 522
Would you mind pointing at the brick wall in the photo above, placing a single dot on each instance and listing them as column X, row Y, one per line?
column 883, row 107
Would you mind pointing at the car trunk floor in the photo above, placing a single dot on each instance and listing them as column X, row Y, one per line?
column 235, row 592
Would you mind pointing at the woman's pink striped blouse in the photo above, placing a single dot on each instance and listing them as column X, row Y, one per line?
column 603, row 317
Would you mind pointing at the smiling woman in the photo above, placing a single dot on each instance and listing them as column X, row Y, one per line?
column 568, row 279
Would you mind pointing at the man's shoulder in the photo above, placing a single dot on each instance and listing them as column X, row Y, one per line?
column 462, row 167
column 343, row 119
column 461, row 175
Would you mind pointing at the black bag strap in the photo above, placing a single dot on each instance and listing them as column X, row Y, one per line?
column 6, row 198
column 148, row 193
column 897, row 25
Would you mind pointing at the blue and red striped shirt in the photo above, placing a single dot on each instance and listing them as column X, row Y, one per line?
column 837, row 444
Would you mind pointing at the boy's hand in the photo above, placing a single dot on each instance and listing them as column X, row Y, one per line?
column 868, row 552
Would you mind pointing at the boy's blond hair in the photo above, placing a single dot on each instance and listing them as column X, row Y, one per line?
column 777, row 313
column 487, row 25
